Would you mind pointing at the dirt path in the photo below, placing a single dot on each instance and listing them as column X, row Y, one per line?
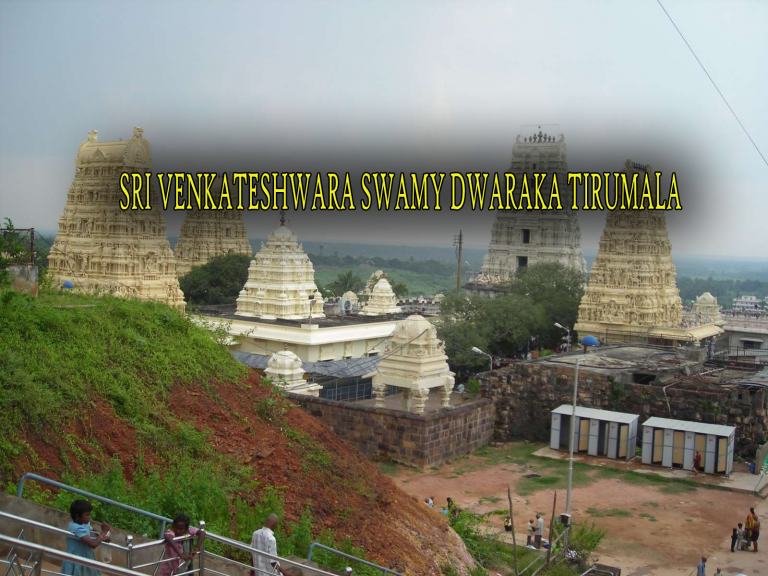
column 651, row 529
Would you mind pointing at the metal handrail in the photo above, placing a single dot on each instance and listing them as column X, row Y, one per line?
column 54, row 529
column 240, row 546
column 384, row 571
column 44, row 551
column 20, row 494
column 208, row 535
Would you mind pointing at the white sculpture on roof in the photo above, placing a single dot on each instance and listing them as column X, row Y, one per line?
column 281, row 280
column 381, row 301
column 706, row 310
column 415, row 361
column 286, row 371
column 100, row 247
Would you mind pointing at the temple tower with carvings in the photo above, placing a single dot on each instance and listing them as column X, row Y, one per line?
column 100, row 247
column 209, row 233
column 522, row 238
column 632, row 281
column 281, row 281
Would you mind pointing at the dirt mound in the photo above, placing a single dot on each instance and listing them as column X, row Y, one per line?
column 281, row 446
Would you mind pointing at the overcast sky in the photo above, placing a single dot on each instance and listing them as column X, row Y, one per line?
column 394, row 82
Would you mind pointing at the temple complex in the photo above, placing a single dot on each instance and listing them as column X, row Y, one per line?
column 281, row 281
column 522, row 238
column 414, row 361
column 382, row 300
column 209, row 233
column 100, row 247
column 632, row 294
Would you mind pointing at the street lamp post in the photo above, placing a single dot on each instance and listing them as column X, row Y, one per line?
column 478, row 351
column 568, row 330
column 573, row 434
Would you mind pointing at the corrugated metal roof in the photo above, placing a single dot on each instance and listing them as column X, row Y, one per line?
column 607, row 415
column 684, row 426
column 350, row 368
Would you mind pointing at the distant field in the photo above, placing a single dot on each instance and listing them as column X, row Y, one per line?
column 418, row 284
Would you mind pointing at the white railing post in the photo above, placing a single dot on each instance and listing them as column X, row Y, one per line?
column 129, row 553
column 202, row 547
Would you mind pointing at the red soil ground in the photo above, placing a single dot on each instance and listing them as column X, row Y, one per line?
column 351, row 496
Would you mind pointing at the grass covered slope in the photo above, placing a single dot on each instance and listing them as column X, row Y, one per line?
column 133, row 401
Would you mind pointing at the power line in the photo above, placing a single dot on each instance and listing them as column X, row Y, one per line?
column 713, row 82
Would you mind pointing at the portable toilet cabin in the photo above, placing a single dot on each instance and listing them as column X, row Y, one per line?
column 598, row 432
column 674, row 443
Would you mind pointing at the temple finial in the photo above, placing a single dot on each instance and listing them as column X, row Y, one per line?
column 282, row 217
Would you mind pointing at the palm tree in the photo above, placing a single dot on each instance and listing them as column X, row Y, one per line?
column 346, row 282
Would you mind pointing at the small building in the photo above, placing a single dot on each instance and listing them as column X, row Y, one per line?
column 674, row 443
column 597, row 433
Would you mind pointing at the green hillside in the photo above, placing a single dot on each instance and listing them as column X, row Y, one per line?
column 418, row 283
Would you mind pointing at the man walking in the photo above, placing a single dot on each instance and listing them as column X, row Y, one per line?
column 539, row 530
column 701, row 567
column 264, row 540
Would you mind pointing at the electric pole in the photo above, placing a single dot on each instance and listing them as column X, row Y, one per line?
column 457, row 241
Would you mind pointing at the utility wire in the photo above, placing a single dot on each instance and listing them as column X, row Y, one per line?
column 713, row 82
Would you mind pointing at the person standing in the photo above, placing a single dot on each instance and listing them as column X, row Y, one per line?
column 81, row 543
column 748, row 523
column 701, row 567
column 264, row 540
column 696, row 463
column 755, row 532
column 739, row 536
column 531, row 530
column 539, row 530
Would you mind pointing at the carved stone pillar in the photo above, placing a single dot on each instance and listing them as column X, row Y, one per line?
column 406, row 400
column 420, row 400
column 380, row 392
column 445, row 395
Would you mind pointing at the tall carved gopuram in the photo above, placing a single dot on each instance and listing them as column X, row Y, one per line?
column 521, row 238
column 100, row 247
column 632, row 285
column 281, row 280
column 209, row 233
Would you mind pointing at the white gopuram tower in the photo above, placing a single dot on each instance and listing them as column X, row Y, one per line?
column 520, row 238
column 381, row 301
column 209, row 233
column 100, row 247
column 281, row 280
column 415, row 361
column 632, row 284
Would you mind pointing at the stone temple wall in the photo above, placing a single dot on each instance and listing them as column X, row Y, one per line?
column 526, row 393
column 419, row 440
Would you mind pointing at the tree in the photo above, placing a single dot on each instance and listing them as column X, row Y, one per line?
column 12, row 251
column 499, row 326
column 219, row 281
column 558, row 289
column 346, row 282
column 400, row 289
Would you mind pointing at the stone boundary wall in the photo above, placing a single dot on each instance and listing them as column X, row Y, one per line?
column 526, row 393
column 419, row 440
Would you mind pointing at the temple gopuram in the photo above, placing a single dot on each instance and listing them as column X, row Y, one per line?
column 101, row 248
column 281, row 280
column 632, row 294
column 209, row 233
column 521, row 238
